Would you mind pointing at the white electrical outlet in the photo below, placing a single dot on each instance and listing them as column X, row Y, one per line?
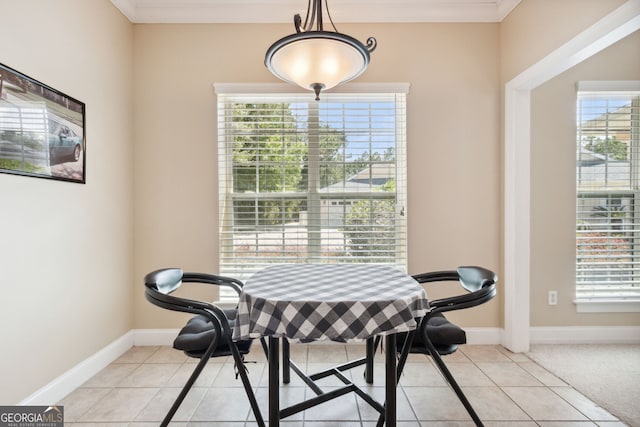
column 553, row 297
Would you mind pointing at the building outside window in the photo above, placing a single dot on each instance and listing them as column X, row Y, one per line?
column 608, row 203
column 302, row 181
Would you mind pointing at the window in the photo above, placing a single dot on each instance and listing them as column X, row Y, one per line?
column 302, row 181
column 608, row 190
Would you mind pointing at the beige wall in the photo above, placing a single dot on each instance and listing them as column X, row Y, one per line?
column 553, row 180
column 453, row 210
column 66, row 249
column 533, row 30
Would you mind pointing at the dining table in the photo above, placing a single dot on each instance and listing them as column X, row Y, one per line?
column 351, row 302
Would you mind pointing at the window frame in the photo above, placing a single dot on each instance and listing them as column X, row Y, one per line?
column 226, row 90
column 609, row 90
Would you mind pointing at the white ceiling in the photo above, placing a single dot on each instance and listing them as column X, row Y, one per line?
column 282, row 11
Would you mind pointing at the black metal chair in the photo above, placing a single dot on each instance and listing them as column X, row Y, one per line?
column 480, row 285
column 435, row 335
column 206, row 335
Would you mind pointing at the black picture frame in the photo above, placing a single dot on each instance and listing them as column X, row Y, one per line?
column 42, row 130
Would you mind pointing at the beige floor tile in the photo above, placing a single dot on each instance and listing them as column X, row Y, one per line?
column 120, row 404
column 330, row 381
column 217, row 360
column 584, row 405
column 112, row 375
column 611, row 424
column 420, row 375
column 447, row 424
column 541, row 404
column 508, row 374
column 357, row 375
column 356, row 350
column 404, row 411
column 97, row 424
column 227, row 375
column 541, row 374
column 483, row 353
column 332, row 424
column 411, row 358
column 458, row 356
column 295, row 380
column 299, row 352
column 137, row 354
column 468, row 374
column 288, row 396
column 215, row 424
column 338, row 410
column 491, row 403
column 167, row 355
column 436, row 404
column 80, row 401
column 205, row 379
column 150, row 375
column 567, row 424
column 158, row 407
column 509, row 424
column 223, row 404
column 515, row 357
column 148, row 424
column 400, row 424
column 323, row 352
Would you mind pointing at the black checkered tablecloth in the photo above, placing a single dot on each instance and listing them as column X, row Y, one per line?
column 338, row 302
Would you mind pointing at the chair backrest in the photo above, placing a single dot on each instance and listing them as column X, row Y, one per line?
column 479, row 282
column 475, row 278
column 165, row 281
column 160, row 284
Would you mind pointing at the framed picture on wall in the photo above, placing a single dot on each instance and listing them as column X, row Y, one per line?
column 42, row 130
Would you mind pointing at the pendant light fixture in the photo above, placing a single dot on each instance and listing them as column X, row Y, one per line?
column 316, row 59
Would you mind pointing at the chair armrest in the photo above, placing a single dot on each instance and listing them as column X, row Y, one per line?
column 436, row 276
column 479, row 282
column 213, row 279
column 160, row 284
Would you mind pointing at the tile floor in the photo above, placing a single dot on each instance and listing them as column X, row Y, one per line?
column 506, row 389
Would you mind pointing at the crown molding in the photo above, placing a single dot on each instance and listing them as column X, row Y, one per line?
column 282, row 11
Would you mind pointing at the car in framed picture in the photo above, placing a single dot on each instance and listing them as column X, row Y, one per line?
column 42, row 130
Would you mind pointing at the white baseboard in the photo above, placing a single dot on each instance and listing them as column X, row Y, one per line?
column 76, row 376
column 585, row 335
column 484, row 336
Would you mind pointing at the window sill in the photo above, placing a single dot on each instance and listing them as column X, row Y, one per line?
column 594, row 305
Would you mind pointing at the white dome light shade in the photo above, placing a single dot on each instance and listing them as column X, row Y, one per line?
column 317, row 60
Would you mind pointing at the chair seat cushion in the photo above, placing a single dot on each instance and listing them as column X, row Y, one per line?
column 444, row 335
column 441, row 331
column 196, row 336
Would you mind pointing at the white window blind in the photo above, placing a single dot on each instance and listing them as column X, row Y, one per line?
column 608, row 203
column 302, row 181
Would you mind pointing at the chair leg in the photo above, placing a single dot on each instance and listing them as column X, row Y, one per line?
column 445, row 371
column 185, row 390
column 404, row 353
column 286, row 361
column 245, row 382
column 372, row 344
